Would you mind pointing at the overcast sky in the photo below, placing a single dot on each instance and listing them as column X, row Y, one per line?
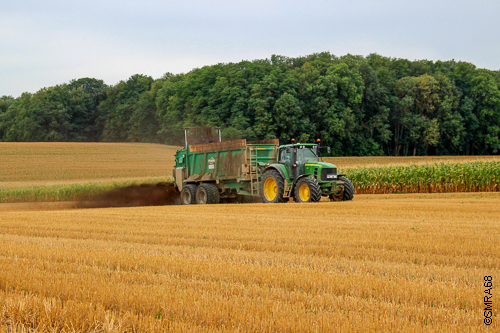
column 49, row 42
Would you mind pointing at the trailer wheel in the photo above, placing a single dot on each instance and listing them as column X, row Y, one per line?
column 307, row 190
column 188, row 194
column 207, row 193
column 272, row 187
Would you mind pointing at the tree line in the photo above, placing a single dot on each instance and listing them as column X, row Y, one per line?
column 361, row 106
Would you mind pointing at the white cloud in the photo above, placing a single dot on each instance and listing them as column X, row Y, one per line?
column 44, row 43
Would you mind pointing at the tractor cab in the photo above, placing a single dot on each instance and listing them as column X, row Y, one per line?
column 303, row 159
column 295, row 157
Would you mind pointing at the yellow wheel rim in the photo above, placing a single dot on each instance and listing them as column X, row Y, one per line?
column 270, row 189
column 304, row 192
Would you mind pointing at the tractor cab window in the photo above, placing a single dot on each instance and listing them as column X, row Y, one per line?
column 286, row 157
column 307, row 154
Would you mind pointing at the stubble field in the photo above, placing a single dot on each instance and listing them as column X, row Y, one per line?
column 61, row 171
column 43, row 163
column 381, row 263
column 400, row 263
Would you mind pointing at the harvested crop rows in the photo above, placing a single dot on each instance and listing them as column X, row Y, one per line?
column 379, row 263
column 44, row 171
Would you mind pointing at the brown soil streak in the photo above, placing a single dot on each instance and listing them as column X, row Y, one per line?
column 135, row 195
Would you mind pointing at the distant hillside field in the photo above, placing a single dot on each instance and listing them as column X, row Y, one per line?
column 24, row 164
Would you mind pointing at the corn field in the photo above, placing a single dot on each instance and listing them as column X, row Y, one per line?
column 379, row 161
column 432, row 178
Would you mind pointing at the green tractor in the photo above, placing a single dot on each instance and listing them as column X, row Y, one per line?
column 298, row 173
column 209, row 170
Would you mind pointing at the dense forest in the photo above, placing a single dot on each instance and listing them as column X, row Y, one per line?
column 359, row 106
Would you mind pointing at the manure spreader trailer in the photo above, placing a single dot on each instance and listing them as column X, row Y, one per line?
column 209, row 171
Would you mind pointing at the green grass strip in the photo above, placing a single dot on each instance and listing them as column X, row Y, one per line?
column 67, row 192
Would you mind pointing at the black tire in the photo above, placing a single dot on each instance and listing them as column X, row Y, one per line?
column 307, row 189
column 278, row 187
column 207, row 194
column 348, row 189
column 188, row 194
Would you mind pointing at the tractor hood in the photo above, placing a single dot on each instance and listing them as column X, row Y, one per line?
column 320, row 165
column 322, row 171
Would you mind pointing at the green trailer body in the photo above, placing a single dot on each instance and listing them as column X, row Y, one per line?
column 233, row 166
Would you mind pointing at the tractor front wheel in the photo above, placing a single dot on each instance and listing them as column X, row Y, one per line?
column 348, row 188
column 272, row 187
column 307, row 190
column 207, row 193
column 347, row 193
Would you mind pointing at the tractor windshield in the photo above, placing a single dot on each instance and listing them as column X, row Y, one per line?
column 307, row 154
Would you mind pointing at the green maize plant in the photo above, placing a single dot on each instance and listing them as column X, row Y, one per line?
column 437, row 177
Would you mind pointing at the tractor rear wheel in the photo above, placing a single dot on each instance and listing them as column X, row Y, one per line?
column 307, row 190
column 188, row 194
column 207, row 193
column 272, row 187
